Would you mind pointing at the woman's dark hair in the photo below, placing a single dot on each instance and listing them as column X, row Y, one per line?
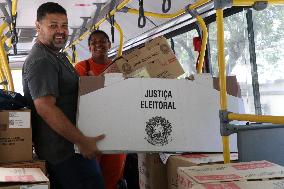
column 48, row 8
column 96, row 32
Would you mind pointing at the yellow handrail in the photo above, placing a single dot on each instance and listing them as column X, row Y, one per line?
column 116, row 25
column 68, row 57
column 222, row 77
column 2, row 79
column 3, row 26
column 173, row 15
column 123, row 4
column 6, row 68
column 221, row 59
column 9, row 43
column 84, row 35
column 14, row 7
column 157, row 15
column 203, row 45
column 252, row 2
column 182, row 11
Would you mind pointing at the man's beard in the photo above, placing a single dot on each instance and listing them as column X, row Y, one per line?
column 58, row 45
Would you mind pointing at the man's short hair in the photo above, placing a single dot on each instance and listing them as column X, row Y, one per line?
column 96, row 32
column 49, row 8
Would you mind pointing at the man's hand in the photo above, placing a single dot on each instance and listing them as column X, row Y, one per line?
column 88, row 146
column 56, row 119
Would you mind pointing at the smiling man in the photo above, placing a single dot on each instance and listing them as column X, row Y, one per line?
column 50, row 85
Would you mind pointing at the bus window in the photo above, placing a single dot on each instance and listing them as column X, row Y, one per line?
column 269, row 42
column 236, row 53
column 184, row 51
column 268, row 29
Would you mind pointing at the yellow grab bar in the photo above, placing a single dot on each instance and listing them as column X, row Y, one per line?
column 222, row 77
column 203, row 45
column 84, row 35
column 14, row 7
column 2, row 27
column 116, row 25
column 2, row 78
column 4, row 61
column 124, row 3
column 221, row 59
column 173, row 15
column 68, row 57
column 257, row 118
column 182, row 11
column 226, row 149
column 6, row 67
column 252, row 2
column 157, row 15
column 9, row 43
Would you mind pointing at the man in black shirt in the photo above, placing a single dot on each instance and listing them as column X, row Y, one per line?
column 51, row 84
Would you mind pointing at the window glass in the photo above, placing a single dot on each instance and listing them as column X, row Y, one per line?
column 269, row 43
column 183, row 46
column 236, row 54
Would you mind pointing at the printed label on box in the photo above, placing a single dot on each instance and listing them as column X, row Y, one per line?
column 217, row 177
column 221, row 186
column 249, row 166
column 20, row 178
column 19, row 120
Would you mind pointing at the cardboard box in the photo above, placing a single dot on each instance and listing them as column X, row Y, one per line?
column 44, row 185
column 232, row 86
column 188, row 160
column 15, row 136
column 152, row 172
column 27, row 164
column 20, row 178
column 155, row 174
column 155, row 115
column 210, row 176
column 156, row 57
column 271, row 184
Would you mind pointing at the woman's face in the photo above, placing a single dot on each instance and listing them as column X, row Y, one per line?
column 99, row 45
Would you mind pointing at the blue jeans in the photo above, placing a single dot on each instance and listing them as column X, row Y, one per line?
column 76, row 173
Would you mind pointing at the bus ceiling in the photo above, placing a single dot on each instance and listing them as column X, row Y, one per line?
column 137, row 18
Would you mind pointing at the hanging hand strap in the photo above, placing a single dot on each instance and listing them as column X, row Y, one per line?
column 164, row 8
column 141, row 15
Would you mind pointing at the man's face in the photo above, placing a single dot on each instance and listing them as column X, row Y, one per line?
column 53, row 30
column 99, row 45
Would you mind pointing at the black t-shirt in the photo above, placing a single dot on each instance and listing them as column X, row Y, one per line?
column 45, row 73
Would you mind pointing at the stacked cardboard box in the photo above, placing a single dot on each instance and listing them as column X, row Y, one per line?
column 16, row 155
column 19, row 178
column 152, row 172
column 27, row 164
column 246, row 175
column 156, row 60
column 191, row 160
column 155, row 174
column 15, row 136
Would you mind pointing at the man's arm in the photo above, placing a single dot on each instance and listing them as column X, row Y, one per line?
column 56, row 119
